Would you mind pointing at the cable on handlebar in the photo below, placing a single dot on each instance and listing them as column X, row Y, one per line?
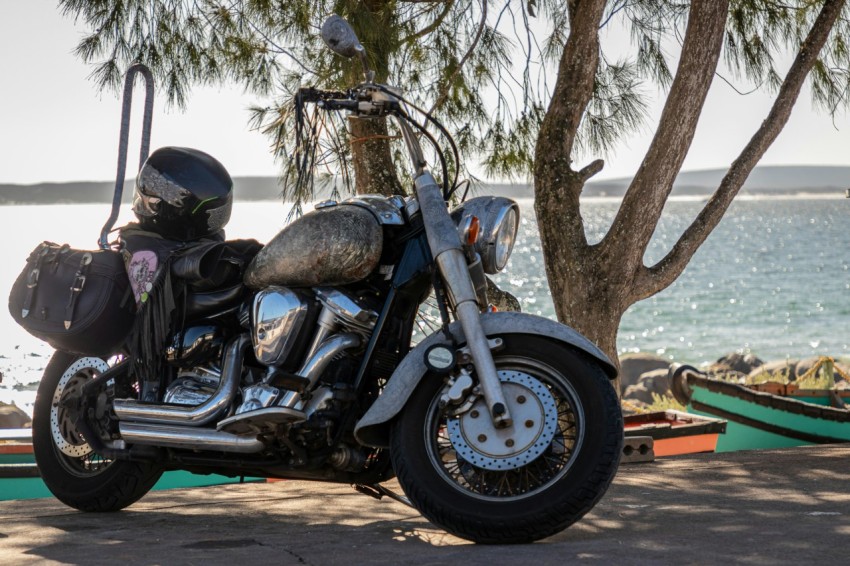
column 447, row 191
column 444, row 166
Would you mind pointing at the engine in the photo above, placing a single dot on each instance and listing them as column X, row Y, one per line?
column 287, row 327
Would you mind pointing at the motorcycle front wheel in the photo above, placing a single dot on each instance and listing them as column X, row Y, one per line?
column 72, row 471
column 525, row 482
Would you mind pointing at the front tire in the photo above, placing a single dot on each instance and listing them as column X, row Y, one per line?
column 72, row 471
column 528, row 482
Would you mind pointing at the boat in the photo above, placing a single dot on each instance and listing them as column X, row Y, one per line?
column 674, row 432
column 765, row 415
column 19, row 477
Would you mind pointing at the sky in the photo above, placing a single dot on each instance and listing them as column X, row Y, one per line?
column 56, row 126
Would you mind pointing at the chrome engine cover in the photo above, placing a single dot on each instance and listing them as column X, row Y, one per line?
column 276, row 319
column 193, row 387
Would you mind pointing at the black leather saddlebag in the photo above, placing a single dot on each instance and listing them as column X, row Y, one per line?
column 75, row 300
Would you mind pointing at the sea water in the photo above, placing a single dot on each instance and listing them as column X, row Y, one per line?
column 773, row 278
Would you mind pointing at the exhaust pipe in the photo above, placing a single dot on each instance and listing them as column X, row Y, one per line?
column 317, row 363
column 199, row 415
column 188, row 438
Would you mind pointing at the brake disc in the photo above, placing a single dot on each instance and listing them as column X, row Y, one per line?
column 535, row 421
column 62, row 427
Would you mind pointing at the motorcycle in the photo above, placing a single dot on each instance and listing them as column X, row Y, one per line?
column 500, row 427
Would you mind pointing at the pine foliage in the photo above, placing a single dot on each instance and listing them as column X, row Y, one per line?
column 482, row 67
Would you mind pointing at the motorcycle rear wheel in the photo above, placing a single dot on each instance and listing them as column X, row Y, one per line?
column 551, row 469
column 72, row 471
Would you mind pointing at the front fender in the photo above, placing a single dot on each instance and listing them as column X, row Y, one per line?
column 373, row 428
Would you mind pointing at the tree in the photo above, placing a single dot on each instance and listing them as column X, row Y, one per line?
column 593, row 284
column 445, row 53
column 442, row 52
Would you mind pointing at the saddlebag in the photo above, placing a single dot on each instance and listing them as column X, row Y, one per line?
column 75, row 300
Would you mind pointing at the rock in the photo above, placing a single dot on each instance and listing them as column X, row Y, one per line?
column 741, row 363
column 501, row 299
column 782, row 370
column 656, row 381
column 632, row 366
column 13, row 417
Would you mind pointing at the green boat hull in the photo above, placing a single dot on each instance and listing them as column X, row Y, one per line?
column 19, row 478
column 34, row 488
column 759, row 420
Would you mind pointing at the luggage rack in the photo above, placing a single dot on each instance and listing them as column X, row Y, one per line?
column 123, row 136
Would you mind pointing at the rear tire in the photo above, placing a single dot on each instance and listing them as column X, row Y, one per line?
column 69, row 467
column 554, row 474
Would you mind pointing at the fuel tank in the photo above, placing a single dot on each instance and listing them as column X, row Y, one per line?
column 332, row 246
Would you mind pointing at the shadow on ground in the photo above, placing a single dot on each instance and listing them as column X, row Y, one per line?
column 769, row 507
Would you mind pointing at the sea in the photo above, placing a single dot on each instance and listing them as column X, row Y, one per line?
column 773, row 279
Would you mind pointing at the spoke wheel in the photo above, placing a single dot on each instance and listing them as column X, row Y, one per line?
column 516, row 462
column 525, row 482
column 73, row 472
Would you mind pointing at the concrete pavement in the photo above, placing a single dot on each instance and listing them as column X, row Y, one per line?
column 787, row 506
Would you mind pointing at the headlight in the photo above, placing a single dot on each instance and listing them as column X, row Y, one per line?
column 499, row 220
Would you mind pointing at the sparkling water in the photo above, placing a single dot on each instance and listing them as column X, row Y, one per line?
column 773, row 278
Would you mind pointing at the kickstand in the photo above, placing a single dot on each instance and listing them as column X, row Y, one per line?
column 378, row 492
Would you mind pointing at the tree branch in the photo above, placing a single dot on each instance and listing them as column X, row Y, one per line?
column 447, row 7
column 556, row 186
column 671, row 266
column 645, row 198
column 444, row 95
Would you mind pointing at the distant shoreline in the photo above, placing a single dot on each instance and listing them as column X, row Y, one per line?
column 765, row 182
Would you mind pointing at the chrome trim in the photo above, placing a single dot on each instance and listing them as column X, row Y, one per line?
column 199, row 415
column 257, row 397
column 385, row 209
column 189, row 438
column 488, row 378
column 346, row 308
column 455, row 272
column 491, row 213
column 276, row 318
column 318, row 362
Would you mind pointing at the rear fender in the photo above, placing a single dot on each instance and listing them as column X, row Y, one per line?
column 373, row 428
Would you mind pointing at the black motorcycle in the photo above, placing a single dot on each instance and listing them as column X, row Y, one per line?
column 297, row 360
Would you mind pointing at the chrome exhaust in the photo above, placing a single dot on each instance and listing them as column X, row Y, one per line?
column 316, row 364
column 188, row 438
column 199, row 415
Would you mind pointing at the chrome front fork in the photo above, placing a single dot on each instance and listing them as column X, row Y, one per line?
column 447, row 250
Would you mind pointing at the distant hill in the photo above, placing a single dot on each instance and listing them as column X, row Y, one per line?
column 247, row 188
column 764, row 180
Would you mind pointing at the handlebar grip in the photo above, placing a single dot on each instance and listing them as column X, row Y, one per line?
column 351, row 105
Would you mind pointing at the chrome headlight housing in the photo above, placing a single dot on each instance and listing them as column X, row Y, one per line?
column 498, row 218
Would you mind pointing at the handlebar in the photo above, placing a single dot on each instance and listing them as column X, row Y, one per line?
column 362, row 102
column 376, row 100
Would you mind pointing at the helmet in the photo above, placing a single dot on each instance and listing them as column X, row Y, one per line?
column 182, row 194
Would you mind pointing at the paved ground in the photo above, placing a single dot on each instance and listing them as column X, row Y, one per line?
column 770, row 507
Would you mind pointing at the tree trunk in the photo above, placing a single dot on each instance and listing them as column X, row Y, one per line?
column 374, row 172
column 593, row 285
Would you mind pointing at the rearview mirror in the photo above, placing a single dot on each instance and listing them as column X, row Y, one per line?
column 341, row 39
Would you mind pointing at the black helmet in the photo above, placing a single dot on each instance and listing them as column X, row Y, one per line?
column 183, row 194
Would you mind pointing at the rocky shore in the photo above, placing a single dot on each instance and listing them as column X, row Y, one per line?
column 645, row 380
column 13, row 417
